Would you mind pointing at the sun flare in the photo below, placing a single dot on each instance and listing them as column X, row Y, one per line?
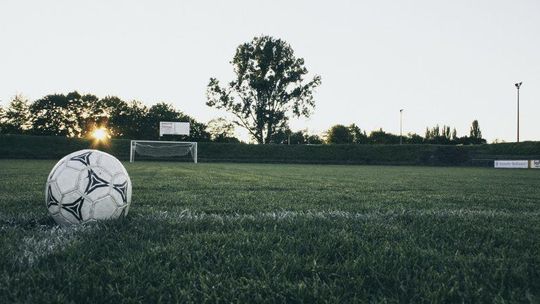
column 100, row 134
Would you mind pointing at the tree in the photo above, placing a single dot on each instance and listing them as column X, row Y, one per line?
column 446, row 133
column 440, row 136
column 475, row 135
column 89, row 115
column 357, row 136
column 435, row 132
column 339, row 134
column 475, row 130
column 221, row 130
column 314, row 140
column 269, row 86
column 281, row 136
column 413, row 138
column 17, row 118
column 381, row 137
column 298, row 138
column 112, row 112
column 60, row 114
column 128, row 119
column 48, row 115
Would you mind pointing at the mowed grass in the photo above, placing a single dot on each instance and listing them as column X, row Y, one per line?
column 280, row 233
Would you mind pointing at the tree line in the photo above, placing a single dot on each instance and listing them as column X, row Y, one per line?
column 76, row 115
column 352, row 134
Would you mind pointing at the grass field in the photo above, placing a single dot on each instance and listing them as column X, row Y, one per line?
column 280, row 233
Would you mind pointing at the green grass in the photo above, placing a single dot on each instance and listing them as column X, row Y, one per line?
column 280, row 233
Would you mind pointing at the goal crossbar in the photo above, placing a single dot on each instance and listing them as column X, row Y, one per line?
column 160, row 148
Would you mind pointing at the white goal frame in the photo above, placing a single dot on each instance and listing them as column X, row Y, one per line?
column 133, row 142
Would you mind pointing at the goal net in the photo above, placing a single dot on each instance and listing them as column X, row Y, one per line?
column 167, row 150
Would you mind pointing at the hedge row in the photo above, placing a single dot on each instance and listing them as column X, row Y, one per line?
column 42, row 147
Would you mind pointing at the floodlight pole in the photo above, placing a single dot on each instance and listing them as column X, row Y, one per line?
column 401, row 126
column 518, row 85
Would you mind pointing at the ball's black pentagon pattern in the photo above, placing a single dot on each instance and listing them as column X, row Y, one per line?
column 75, row 208
column 94, row 182
column 51, row 200
column 84, row 158
column 122, row 189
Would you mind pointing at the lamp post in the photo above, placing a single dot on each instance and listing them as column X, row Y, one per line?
column 401, row 126
column 518, row 85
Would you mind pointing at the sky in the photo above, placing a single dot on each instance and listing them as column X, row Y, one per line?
column 443, row 62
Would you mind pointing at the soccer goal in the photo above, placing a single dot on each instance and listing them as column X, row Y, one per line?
column 169, row 150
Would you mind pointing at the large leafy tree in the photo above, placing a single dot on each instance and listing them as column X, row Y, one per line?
column 339, row 134
column 357, row 136
column 16, row 119
column 382, row 137
column 111, row 113
column 59, row 114
column 49, row 115
column 89, row 114
column 269, row 86
column 128, row 119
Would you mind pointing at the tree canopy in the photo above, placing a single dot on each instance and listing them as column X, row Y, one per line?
column 16, row 118
column 76, row 115
column 443, row 136
column 475, row 130
column 269, row 86
column 339, row 134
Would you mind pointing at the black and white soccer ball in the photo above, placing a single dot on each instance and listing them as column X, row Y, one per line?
column 87, row 185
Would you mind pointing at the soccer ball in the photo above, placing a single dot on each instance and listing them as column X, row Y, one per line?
column 87, row 185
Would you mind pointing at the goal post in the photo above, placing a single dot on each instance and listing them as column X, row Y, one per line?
column 162, row 149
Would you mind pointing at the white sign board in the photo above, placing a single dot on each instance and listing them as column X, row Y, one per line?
column 173, row 128
column 535, row 164
column 512, row 164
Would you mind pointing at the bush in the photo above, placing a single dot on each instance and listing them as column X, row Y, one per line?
column 51, row 147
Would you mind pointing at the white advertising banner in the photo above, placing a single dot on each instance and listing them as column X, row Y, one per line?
column 512, row 164
column 535, row 164
column 173, row 128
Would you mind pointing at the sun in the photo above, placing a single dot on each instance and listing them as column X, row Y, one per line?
column 100, row 134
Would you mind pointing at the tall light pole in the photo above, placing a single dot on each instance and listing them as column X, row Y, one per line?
column 401, row 126
column 518, row 85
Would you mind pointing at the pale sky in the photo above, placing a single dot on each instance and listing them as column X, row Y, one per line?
column 444, row 62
